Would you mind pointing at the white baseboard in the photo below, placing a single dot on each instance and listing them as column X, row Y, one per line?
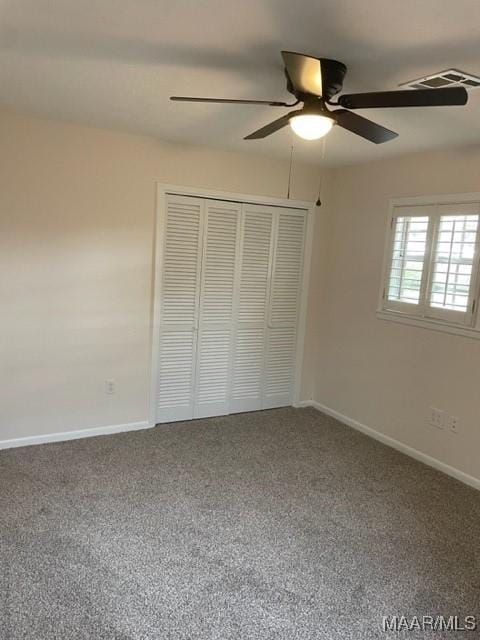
column 74, row 435
column 395, row 444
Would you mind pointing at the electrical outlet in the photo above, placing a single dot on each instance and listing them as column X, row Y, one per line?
column 453, row 424
column 437, row 418
column 110, row 386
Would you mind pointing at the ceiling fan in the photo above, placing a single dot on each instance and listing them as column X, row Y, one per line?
column 314, row 82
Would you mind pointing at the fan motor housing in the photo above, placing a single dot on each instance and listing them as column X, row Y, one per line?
column 333, row 73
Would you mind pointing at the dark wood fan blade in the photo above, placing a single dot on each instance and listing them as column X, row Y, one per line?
column 363, row 127
column 305, row 72
column 270, row 128
column 270, row 103
column 409, row 98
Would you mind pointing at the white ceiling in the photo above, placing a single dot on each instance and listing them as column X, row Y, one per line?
column 114, row 63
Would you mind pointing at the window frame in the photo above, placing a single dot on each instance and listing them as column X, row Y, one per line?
column 423, row 314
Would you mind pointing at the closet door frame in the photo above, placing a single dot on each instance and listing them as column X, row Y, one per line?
column 164, row 190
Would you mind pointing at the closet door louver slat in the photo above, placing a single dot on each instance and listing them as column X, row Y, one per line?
column 287, row 271
column 284, row 307
column 251, row 316
column 179, row 308
column 230, row 290
column 280, row 367
column 219, row 267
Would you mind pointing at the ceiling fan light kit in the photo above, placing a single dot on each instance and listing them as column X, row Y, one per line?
column 315, row 81
column 311, row 126
column 312, row 121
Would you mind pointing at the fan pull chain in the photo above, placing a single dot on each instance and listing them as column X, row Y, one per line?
column 290, row 172
column 318, row 203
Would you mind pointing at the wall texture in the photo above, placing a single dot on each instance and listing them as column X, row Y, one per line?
column 383, row 374
column 76, row 242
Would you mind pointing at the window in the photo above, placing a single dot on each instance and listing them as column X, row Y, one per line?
column 408, row 257
column 432, row 263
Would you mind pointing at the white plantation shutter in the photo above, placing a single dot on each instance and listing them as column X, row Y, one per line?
column 251, row 317
column 179, row 308
column 219, row 267
column 284, row 307
column 454, row 261
column 408, row 258
column 432, row 262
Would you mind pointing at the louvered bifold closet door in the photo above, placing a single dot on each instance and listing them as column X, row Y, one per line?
column 219, row 269
column 179, row 302
column 285, row 296
column 252, row 304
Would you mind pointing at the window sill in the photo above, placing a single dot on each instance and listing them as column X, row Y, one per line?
column 424, row 323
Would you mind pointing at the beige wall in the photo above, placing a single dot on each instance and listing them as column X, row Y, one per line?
column 383, row 374
column 76, row 233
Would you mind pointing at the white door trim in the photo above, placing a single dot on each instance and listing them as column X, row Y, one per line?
column 211, row 194
column 164, row 189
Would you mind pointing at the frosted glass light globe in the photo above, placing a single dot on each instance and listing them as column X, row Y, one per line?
column 311, row 126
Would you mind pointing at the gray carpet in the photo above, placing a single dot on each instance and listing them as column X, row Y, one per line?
column 280, row 524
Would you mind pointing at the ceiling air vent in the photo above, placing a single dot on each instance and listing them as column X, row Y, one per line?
column 447, row 78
